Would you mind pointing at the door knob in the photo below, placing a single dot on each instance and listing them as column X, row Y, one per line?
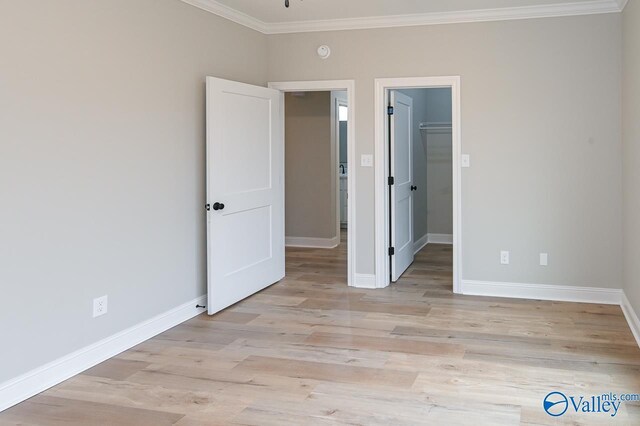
column 414, row 188
column 218, row 206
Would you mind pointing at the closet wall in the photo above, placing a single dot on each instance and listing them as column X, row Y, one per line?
column 437, row 140
column 432, row 162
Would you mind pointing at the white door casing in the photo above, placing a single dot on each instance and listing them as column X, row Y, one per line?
column 245, row 177
column 354, row 280
column 401, row 141
column 382, row 88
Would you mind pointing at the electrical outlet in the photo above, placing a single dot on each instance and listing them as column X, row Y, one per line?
column 100, row 306
column 544, row 259
column 504, row 257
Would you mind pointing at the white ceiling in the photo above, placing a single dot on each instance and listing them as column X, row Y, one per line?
column 270, row 16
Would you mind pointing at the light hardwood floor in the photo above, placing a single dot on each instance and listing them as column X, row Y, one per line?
column 309, row 350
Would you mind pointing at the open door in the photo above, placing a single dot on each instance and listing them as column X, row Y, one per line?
column 401, row 183
column 245, row 191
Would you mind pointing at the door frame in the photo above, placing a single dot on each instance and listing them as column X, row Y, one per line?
column 382, row 87
column 350, row 87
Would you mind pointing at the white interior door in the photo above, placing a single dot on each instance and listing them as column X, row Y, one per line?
column 401, row 123
column 245, row 191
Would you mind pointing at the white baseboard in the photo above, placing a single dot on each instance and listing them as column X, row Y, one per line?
column 440, row 238
column 307, row 242
column 419, row 245
column 631, row 316
column 42, row 378
column 561, row 293
column 365, row 281
column 432, row 239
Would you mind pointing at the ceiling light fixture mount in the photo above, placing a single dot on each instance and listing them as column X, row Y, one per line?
column 286, row 3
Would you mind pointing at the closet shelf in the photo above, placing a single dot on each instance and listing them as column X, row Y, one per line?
column 435, row 126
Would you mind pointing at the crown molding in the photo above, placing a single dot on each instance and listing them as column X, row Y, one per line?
column 230, row 14
column 486, row 15
column 622, row 4
column 482, row 15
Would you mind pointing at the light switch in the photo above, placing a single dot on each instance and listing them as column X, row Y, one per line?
column 366, row 160
column 544, row 259
column 466, row 160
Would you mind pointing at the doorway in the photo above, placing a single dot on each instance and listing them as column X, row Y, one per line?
column 316, row 169
column 412, row 149
column 339, row 96
column 245, row 185
column 340, row 124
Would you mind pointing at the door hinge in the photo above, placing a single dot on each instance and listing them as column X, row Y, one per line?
column 391, row 180
column 392, row 251
column 390, row 110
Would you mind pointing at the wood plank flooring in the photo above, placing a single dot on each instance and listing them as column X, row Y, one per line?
column 310, row 350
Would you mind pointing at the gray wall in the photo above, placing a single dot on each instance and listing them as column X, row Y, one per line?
column 310, row 183
column 631, row 151
column 541, row 109
column 439, row 163
column 432, row 163
column 439, row 105
column 439, row 181
column 102, row 167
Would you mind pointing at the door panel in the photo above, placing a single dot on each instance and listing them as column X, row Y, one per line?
column 256, row 151
column 401, row 132
column 248, row 225
column 245, row 172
